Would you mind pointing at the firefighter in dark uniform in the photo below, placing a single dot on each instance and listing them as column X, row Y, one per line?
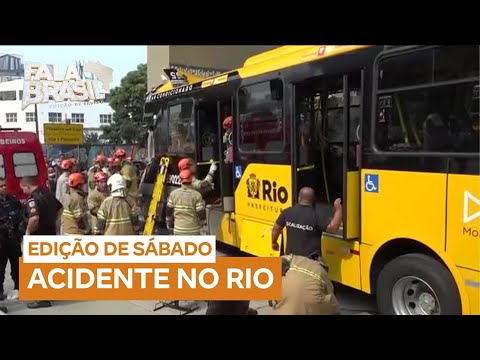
column 43, row 210
column 11, row 223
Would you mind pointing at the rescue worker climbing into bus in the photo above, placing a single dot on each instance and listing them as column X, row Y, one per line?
column 118, row 213
column 99, row 164
column 204, row 185
column 129, row 173
column 306, row 288
column 96, row 197
column 75, row 220
column 228, row 139
column 185, row 214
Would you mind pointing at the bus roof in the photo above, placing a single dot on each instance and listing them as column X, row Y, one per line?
column 275, row 59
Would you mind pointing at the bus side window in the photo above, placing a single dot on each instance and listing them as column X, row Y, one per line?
column 417, row 111
column 261, row 124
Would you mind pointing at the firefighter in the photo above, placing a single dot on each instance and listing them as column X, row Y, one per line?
column 129, row 173
column 99, row 163
column 227, row 139
column 106, row 167
column 96, row 197
column 118, row 213
column 306, row 288
column 61, row 190
column 75, row 210
column 185, row 208
column 115, row 166
column 62, row 181
column 204, row 185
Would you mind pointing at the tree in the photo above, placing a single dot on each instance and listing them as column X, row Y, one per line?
column 127, row 100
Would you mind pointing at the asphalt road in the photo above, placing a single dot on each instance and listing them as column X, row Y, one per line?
column 352, row 302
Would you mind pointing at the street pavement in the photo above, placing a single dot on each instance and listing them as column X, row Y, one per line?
column 352, row 302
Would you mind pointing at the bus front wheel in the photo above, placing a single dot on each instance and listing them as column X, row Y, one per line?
column 416, row 284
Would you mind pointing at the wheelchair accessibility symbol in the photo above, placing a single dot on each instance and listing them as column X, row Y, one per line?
column 238, row 171
column 371, row 183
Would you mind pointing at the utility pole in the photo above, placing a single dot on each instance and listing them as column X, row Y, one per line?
column 36, row 121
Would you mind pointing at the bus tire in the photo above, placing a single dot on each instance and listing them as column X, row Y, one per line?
column 417, row 284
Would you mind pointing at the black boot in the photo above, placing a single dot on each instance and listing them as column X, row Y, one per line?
column 3, row 309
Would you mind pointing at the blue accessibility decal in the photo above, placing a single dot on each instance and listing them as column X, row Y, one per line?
column 371, row 183
column 238, row 171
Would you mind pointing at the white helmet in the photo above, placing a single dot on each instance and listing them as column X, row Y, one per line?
column 116, row 182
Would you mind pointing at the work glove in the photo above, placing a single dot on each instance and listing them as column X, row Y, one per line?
column 213, row 168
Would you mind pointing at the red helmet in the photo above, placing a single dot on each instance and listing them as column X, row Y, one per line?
column 75, row 179
column 100, row 158
column 185, row 176
column 120, row 153
column 228, row 122
column 66, row 164
column 184, row 164
column 99, row 176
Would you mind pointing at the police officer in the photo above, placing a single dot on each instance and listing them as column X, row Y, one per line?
column 118, row 213
column 185, row 214
column 204, row 185
column 306, row 288
column 11, row 222
column 99, row 164
column 129, row 173
column 43, row 210
column 75, row 210
column 96, row 197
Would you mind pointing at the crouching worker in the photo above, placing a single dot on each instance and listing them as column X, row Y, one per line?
column 306, row 288
column 118, row 213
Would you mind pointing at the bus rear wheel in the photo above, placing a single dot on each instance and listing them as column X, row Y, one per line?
column 416, row 284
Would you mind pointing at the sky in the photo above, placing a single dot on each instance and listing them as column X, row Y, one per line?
column 121, row 59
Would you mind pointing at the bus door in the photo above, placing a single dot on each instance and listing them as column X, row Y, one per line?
column 327, row 141
column 207, row 145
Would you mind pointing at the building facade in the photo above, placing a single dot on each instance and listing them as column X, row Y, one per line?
column 11, row 67
column 91, row 114
column 203, row 60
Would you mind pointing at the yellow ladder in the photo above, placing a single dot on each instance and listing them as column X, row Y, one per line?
column 156, row 196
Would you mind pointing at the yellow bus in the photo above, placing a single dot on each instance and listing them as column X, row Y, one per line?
column 392, row 130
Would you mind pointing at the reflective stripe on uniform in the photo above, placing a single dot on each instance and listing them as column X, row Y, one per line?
column 76, row 214
column 119, row 221
column 306, row 272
